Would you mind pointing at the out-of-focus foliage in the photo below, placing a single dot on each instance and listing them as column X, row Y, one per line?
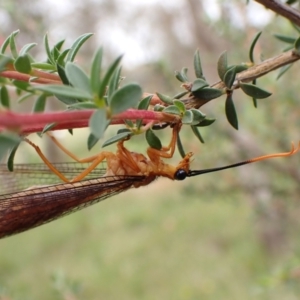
column 232, row 234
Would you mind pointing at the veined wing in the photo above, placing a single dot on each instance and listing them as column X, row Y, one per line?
column 27, row 175
column 33, row 207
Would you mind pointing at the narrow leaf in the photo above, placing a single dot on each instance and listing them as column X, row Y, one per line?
column 143, row 105
column 197, row 134
column 26, row 48
column 4, row 97
column 64, row 90
column 77, row 45
column 48, row 51
column 114, row 83
column 206, row 122
column 198, row 116
column 172, row 109
column 285, row 38
column 180, row 105
column 297, row 45
column 222, row 65
column 40, row 103
column 164, row 98
column 199, row 84
column 197, row 65
column 43, row 66
column 98, row 123
column 11, row 157
column 208, row 93
column 7, row 142
column 107, row 77
column 77, row 77
column 254, row 91
column 96, row 71
column 180, row 146
column 126, row 97
column 251, row 56
column 92, row 141
column 117, row 138
column 229, row 77
column 22, row 64
column 12, row 44
column 187, row 117
column 230, row 112
column 179, row 76
column 153, row 140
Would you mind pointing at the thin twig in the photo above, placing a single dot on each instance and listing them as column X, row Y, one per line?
column 282, row 9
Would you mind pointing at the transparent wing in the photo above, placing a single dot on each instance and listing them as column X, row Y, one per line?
column 27, row 175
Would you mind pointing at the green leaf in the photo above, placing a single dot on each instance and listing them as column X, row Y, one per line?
column 197, row 134
column 43, row 66
column 180, row 95
column 12, row 44
column 164, row 98
column 77, row 77
column 230, row 112
column 116, row 138
column 40, row 103
column 143, row 105
column 22, row 64
column 11, row 157
column 48, row 127
column 98, row 123
column 129, row 123
column 61, row 58
column 24, row 97
column 22, row 85
column 4, row 60
column 114, row 83
column 64, row 90
column 126, row 97
column 8, row 141
column 208, row 93
column 297, row 45
column 229, row 77
column 180, row 106
column 92, row 141
column 96, row 71
column 180, row 146
column 285, row 38
column 183, row 73
column 197, row 65
column 199, row 84
column 62, row 74
column 77, row 45
column 48, row 51
column 179, row 76
column 83, row 105
column 187, row 117
column 107, row 77
column 172, row 109
column 4, row 97
column 153, row 140
column 198, row 116
column 254, row 100
column 4, row 45
column 222, row 65
column 206, row 122
column 254, row 91
column 26, row 48
column 145, row 102
column 251, row 57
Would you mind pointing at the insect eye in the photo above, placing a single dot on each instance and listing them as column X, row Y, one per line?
column 180, row 174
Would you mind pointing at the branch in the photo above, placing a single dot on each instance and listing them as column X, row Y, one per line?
column 249, row 75
column 282, row 9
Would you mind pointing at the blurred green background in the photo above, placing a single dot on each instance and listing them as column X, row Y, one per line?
column 228, row 235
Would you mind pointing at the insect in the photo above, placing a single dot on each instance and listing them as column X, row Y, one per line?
column 25, row 205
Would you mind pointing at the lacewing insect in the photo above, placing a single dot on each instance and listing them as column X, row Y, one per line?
column 35, row 194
